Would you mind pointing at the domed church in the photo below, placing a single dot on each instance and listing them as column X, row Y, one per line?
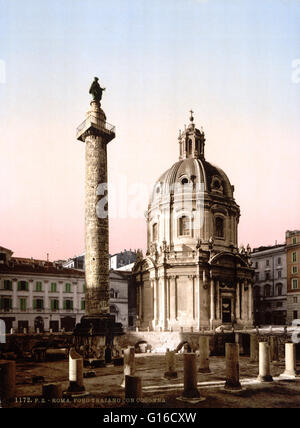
column 193, row 274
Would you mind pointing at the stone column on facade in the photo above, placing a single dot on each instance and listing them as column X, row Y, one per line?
column 250, row 301
column 153, row 286
column 176, row 298
column 212, row 303
column 244, row 303
column 165, row 301
column 169, row 301
column 218, row 300
column 238, row 302
column 200, row 287
column 140, row 301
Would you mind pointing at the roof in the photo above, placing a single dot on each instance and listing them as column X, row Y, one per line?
column 18, row 265
column 197, row 171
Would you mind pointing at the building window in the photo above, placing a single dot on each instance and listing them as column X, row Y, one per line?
column 294, row 240
column 23, row 304
column 83, row 288
column 295, row 300
column 38, row 286
column 279, row 289
column 279, row 274
column 256, row 265
column 5, row 303
column 38, row 304
column 82, row 305
column 278, row 304
column 294, row 284
column 54, row 304
column 68, row 304
column 294, row 257
column 295, row 315
column 267, row 276
column 295, row 269
column 53, row 287
column 184, row 226
column 7, row 284
column 68, row 288
column 268, row 263
column 112, row 293
column 22, row 286
column 256, row 291
column 154, row 232
column 267, row 291
column 219, row 231
column 279, row 261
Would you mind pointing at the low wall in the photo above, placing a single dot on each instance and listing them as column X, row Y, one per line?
column 21, row 344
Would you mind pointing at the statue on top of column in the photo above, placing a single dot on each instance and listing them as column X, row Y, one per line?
column 96, row 90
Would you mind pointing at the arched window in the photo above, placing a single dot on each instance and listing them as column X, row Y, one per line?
column 154, row 232
column 184, row 226
column 219, row 227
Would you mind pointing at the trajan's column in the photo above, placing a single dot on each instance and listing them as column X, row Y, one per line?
column 95, row 334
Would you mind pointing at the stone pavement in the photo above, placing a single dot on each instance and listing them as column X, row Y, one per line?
column 105, row 391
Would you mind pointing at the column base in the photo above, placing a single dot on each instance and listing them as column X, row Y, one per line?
column 191, row 393
column 291, row 374
column 232, row 386
column 267, row 378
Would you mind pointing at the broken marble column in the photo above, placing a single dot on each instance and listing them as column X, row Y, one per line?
column 133, row 387
column 170, row 365
column 7, row 380
column 264, row 374
column 253, row 348
column 274, row 350
column 204, row 354
column 290, row 361
column 232, row 367
column 75, row 372
column 190, row 377
column 129, row 363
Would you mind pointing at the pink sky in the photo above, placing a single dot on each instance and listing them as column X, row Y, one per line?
column 234, row 71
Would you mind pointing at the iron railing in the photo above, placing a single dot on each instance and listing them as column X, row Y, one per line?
column 92, row 121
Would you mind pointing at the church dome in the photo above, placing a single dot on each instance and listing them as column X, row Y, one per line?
column 193, row 171
column 193, row 200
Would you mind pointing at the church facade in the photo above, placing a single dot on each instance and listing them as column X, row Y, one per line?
column 193, row 274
